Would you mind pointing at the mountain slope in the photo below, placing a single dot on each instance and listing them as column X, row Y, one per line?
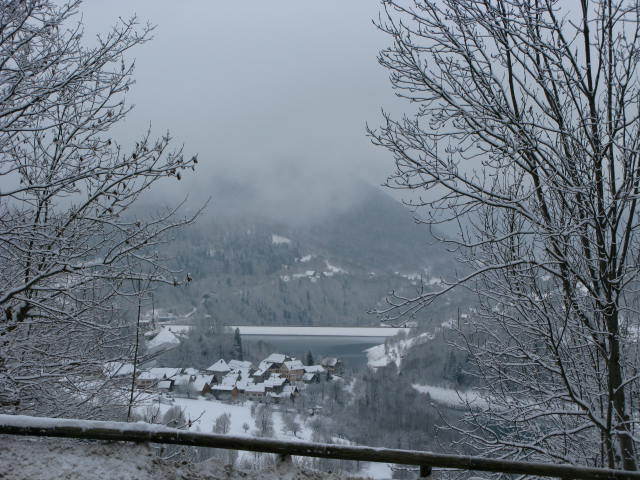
column 328, row 270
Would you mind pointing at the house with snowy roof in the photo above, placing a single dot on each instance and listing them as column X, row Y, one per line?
column 230, row 378
column 293, row 370
column 182, row 382
column 225, row 392
column 165, row 373
column 276, row 361
column 164, row 340
column 202, row 384
column 311, row 377
column 219, row 367
column 314, row 369
column 262, row 373
column 165, row 386
column 256, row 391
column 332, row 364
column 275, row 383
column 240, row 365
column 146, row 381
column 289, row 392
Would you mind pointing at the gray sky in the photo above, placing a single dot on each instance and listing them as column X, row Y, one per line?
column 275, row 94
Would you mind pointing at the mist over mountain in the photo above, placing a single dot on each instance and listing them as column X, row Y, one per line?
column 324, row 266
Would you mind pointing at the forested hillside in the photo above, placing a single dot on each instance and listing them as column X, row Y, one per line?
column 329, row 269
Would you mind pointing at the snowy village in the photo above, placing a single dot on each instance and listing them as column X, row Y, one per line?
column 277, row 378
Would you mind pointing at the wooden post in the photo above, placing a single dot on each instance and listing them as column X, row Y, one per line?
column 425, row 471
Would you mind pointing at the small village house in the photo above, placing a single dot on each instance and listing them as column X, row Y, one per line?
column 293, row 370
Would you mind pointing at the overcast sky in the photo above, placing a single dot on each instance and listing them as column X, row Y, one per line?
column 276, row 94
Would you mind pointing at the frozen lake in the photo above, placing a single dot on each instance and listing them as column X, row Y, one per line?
column 347, row 343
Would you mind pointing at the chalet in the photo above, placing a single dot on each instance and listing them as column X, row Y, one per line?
column 332, row 364
column 202, row 384
column 182, row 382
column 262, row 373
column 165, row 386
column 289, row 392
column 146, row 381
column 255, row 391
column 314, row 369
column 276, row 361
column 243, row 383
column 225, row 392
column 293, row 370
column 230, row 378
column 220, row 367
column 311, row 377
column 275, row 383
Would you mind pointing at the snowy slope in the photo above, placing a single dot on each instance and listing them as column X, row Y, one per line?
column 394, row 352
column 451, row 397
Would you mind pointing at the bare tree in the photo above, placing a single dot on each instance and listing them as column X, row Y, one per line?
column 70, row 245
column 526, row 132
column 222, row 424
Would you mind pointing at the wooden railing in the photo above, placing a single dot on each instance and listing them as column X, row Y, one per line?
column 142, row 432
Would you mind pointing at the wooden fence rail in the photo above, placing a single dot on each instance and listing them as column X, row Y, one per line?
column 141, row 432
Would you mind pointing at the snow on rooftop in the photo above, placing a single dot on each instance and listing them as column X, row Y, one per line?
column 220, row 366
column 201, row 381
column 239, row 364
column 181, row 380
column 275, row 381
column 255, row 388
column 230, row 379
column 223, row 388
column 273, row 358
column 164, row 339
column 164, row 372
column 314, row 369
column 117, row 369
column 294, row 365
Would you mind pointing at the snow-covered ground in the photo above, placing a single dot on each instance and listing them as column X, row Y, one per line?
column 394, row 352
column 279, row 240
column 61, row 459
column 203, row 413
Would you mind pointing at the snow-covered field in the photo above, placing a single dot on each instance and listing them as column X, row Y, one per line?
column 394, row 352
column 202, row 414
